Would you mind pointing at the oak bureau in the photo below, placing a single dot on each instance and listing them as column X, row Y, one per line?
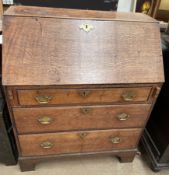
column 79, row 82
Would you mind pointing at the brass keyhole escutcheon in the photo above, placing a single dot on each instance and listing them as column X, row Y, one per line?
column 115, row 140
column 85, row 111
column 123, row 116
column 83, row 135
column 86, row 27
column 128, row 96
column 43, row 99
column 46, row 145
column 84, row 93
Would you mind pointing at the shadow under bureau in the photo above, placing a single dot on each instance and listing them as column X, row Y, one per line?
column 79, row 82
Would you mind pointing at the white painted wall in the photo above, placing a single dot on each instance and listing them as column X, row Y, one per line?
column 125, row 5
column 164, row 5
column 7, row 1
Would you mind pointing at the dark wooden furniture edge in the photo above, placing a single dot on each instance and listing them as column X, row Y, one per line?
column 27, row 11
column 12, row 120
column 149, row 152
column 29, row 163
column 8, row 155
column 162, row 15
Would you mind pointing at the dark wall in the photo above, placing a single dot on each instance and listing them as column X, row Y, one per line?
column 75, row 4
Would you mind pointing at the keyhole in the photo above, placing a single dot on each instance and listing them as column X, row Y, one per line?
column 86, row 26
column 85, row 110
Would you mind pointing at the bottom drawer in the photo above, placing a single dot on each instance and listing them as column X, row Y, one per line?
column 77, row 142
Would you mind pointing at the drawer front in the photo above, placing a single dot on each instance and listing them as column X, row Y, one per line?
column 78, row 142
column 51, row 119
column 77, row 96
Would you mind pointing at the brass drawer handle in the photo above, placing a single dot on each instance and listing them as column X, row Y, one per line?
column 115, row 140
column 45, row 120
column 47, row 145
column 84, row 93
column 43, row 99
column 123, row 116
column 85, row 111
column 128, row 96
column 83, row 135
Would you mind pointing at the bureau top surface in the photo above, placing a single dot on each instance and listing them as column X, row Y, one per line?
column 49, row 46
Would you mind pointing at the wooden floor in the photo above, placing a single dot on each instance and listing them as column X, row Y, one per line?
column 86, row 166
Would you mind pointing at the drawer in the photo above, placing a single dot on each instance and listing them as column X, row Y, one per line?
column 82, row 96
column 78, row 142
column 51, row 119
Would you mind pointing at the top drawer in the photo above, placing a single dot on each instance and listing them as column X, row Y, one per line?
column 82, row 96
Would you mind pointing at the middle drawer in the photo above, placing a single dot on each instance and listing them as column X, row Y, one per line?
column 53, row 119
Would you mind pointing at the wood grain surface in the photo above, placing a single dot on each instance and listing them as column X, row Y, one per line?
column 71, row 142
column 73, row 96
column 76, row 118
column 54, row 51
